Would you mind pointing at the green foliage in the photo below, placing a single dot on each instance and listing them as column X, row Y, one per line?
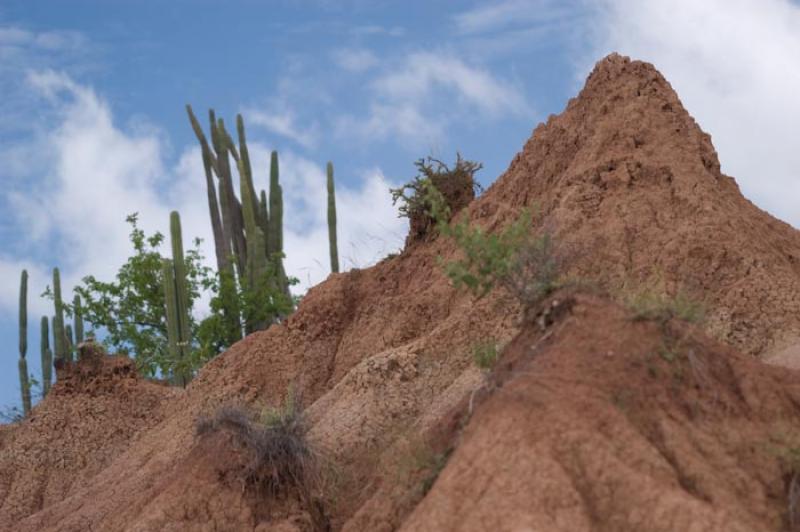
column 130, row 309
column 485, row 353
column 488, row 257
column 422, row 195
column 529, row 264
column 261, row 303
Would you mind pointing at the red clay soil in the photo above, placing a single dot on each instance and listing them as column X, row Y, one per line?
column 601, row 422
column 626, row 173
column 383, row 356
column 92, row 414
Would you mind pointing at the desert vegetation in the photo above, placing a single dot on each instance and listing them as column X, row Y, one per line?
column 149, row 310
column 280, row 461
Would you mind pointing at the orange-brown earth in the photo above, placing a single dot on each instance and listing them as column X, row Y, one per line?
column 593, row 421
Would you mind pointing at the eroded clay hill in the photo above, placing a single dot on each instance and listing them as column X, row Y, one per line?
column 382, row 359
column 627, row 173
column 602, row 422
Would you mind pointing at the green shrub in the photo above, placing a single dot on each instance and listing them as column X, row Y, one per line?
column 658, row 306
column 528, row 263
column 485, row 353
column 435, row 183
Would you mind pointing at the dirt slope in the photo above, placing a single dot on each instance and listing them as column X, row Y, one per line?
column 627, row 173
column 382, row 356
column 601, row 422
column 91, row 415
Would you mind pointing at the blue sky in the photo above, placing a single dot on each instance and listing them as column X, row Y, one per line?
column 93, row 127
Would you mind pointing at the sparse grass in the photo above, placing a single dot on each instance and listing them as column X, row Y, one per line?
column 421, row 465
column 658, row 306
column 281, row 460
column 485, row 353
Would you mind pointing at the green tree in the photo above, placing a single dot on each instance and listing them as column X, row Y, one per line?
column 130, row 309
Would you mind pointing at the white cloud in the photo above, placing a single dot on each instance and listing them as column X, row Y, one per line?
column 423, row 72
column 355, row 59
column 283, row 123
column 502, row 15
column 97, row 173
column 48, row 40
column 374, row 29
column 419, row 99
column 407, row 121
column 734, row 63
column 38, row 278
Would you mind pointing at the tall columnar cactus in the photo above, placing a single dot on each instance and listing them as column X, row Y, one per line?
column 224, row 227
column 235, row 233
column 225, row 147
column 256, row 252
column 176, row 294
column 222, row 248
column 77, row 312
column 334, row 248
column 263, row 218
column 47, row 357
column 59, row 336
column 275, row 238
column 245, row 170
column 24, row 383
column 171, row 309
column 70, row 341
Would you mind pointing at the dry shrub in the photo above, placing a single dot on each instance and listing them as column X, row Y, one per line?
column 281, row 460
column 538, row 267
column 435, row 193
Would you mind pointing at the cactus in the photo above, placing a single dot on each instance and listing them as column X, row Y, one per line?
column 334, row 248
column 245, row 171
column 222, row 248
column 274, row 238
column 47, row 357
column 231, row 210
column 251, row 227
column 263, row 218
column 176, row 295
column 256, row 247
column 70, row 342
column 237, row 220
column 59, row 337
column 173, row 327
column 24, row 383
column 77, row 312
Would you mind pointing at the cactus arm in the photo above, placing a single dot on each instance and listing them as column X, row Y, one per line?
column 171, row 309
column 77, row 319
column 237, row 221
column 263, row 218
column 221, row 245
column 59, row 337
column 24, row 383
column 332, row 241
column 181, row 296
column 47, row 356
